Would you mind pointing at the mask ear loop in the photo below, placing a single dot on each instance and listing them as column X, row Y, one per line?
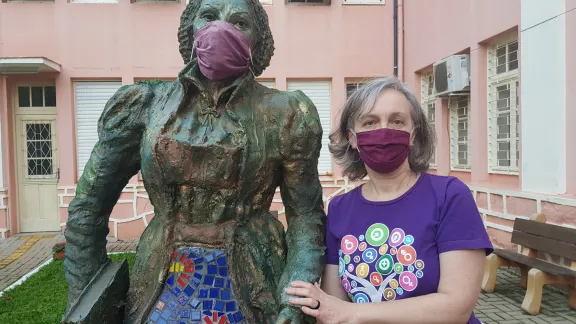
column 251, row 63
column 357, row 147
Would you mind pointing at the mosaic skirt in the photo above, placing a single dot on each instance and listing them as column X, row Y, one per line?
column 197, row 290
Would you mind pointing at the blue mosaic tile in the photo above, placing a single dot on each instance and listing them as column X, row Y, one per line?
column 207, row 304
column 219, row 282
column 225, row 294
column 230, row 306
column 209, row 258
column 197, row 290
column 183, row 300
column 208, row 280
column 172, row 304
column 189, row 291
column 194, row 303
column 219, row 305
column 185, row 313
column 176, row 291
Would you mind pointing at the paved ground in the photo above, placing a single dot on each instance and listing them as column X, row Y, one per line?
column 20, row 254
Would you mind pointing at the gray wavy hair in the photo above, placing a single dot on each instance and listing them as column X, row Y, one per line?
column 360, row 103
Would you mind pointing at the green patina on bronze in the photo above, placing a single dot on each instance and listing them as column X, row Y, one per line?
column 211, row 157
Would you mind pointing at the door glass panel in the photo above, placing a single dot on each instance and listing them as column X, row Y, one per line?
column 24, row 96
column 37, row 97
column 50, row 96
column 39, row 150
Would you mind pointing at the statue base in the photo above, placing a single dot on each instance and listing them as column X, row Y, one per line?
column 103, row 301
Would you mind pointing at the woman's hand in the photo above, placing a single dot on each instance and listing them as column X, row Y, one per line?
column 331, row 310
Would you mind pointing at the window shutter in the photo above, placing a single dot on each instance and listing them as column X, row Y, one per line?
column 319, row 93
column 91, row 97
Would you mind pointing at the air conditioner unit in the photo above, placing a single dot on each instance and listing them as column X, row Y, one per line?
column 452, row 75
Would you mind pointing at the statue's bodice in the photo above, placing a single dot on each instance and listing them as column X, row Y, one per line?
column 216, row 161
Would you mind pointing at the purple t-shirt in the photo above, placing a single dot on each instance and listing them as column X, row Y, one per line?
column 390, row 250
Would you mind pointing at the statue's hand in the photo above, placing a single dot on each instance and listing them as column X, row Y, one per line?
column 290, row 315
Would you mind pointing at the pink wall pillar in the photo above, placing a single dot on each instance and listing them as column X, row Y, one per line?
column 479, row 113
column 571, row 97
column 443, row 137
column 65, row 116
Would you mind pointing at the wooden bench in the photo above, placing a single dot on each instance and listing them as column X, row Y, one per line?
column 535, row 235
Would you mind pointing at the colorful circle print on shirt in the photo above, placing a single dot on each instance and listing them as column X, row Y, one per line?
column 380, row 265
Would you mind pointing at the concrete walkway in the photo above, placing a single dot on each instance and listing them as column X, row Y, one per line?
column 21, row 254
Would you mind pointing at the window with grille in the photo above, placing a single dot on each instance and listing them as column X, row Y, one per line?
column 503, row 112
column 428, row 101
column 39, row 152
column 460, row 133
column 351, row 87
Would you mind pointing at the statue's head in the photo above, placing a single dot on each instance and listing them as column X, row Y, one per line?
column 248, row 16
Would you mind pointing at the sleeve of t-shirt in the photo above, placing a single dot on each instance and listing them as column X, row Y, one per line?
column 332, row 241
column 461, row 226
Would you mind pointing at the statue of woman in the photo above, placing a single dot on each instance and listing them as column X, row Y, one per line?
column 212, row 148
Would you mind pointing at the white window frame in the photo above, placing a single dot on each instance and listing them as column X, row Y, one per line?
column 153, row 1
column 94, row 1
column 264, row 81
column 455, row 140
column 364, row 2
column 357, row 84
column 428, row 101
column 510, row 79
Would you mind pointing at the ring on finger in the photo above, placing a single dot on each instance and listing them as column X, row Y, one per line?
column 317, row 306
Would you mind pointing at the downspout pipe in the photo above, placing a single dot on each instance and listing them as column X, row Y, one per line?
column 395, row 37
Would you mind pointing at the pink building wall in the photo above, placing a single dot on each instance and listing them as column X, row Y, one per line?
column 130, row 41
column 434, row 30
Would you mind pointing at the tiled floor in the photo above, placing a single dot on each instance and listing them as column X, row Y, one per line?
column 20, row 254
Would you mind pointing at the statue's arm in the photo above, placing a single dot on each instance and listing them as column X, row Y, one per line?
column 301, row 140
column 114, row 160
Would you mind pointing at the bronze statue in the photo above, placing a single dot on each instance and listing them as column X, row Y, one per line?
column 212, row 148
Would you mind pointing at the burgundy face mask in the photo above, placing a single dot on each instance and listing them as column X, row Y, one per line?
column 383, row 150
column 222, row 50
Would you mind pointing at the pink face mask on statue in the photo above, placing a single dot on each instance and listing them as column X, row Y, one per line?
column 383, row 150
column 222, row 50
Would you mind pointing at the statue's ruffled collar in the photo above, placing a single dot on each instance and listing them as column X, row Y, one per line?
column 191, row 85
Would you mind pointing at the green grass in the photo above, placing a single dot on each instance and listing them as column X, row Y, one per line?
column 41, row 299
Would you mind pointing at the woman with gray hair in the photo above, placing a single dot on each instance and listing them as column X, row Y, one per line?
column 409, row 238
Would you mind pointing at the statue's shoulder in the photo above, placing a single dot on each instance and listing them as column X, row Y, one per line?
column 288, row 102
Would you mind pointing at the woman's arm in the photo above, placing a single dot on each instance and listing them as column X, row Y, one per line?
column 301, row 191
column 460, row 278
column 114, row 160
column 331, row 283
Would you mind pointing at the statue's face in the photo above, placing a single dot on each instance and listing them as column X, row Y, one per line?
column 236, row 12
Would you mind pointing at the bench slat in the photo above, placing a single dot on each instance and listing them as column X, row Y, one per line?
column 558, row 233
column 548, row 267
column 540, row 243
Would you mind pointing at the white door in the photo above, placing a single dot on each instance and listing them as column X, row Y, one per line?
column 319, row 93
column 91, row 98
column 37, row 158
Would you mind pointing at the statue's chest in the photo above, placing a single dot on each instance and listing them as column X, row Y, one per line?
column 200, row 146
